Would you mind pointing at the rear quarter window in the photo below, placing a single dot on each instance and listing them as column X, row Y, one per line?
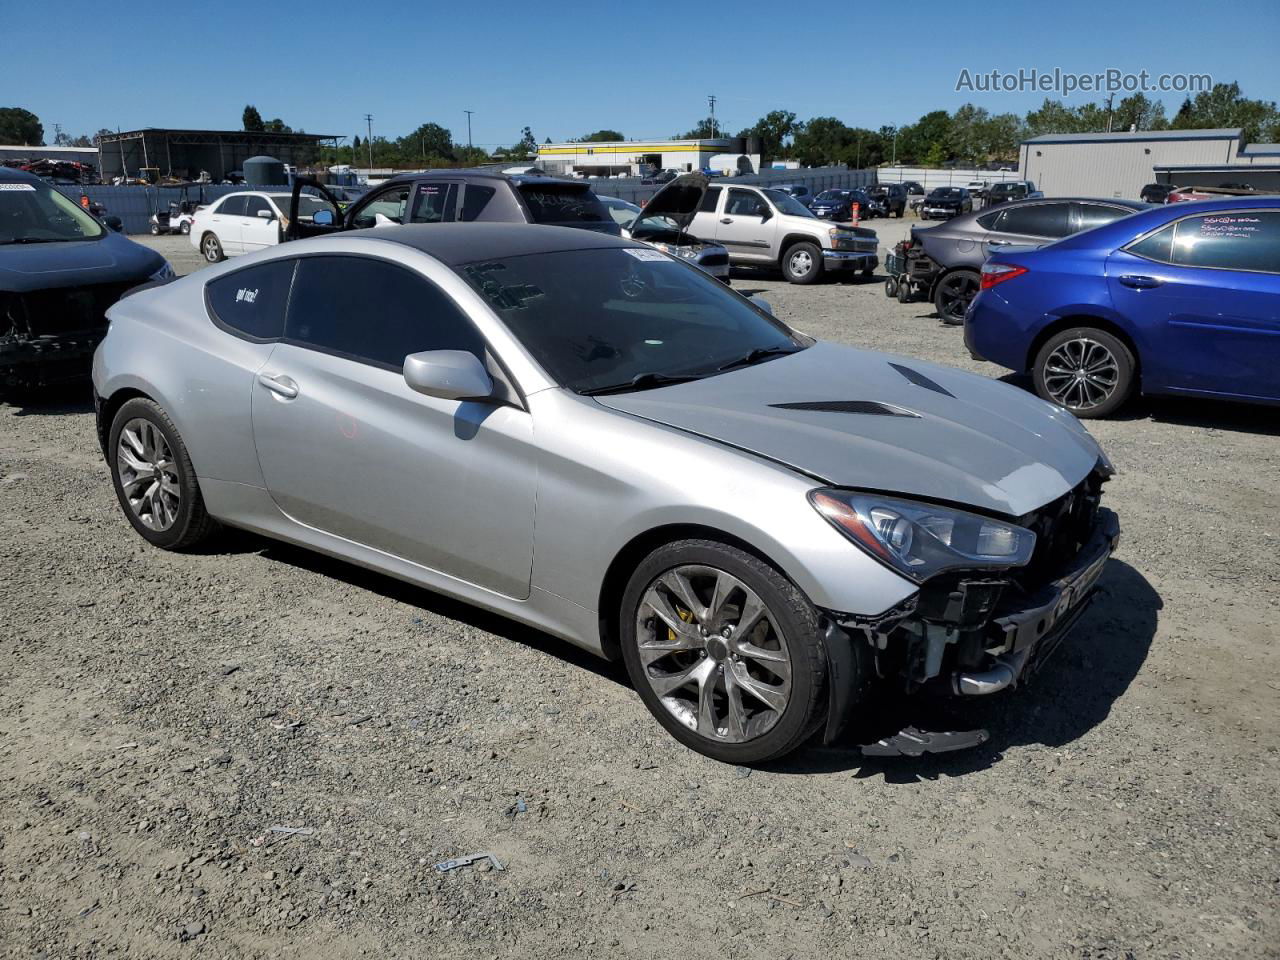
column 251, row 302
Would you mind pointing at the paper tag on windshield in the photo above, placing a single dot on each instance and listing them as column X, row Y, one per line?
column 649, row 256
column 18, row 186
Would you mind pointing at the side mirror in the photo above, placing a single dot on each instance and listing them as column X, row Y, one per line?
column 762, row 303
column 448, row 375
column 114, row 223
column 766, row 214
column 267, row 214
column 323, row 217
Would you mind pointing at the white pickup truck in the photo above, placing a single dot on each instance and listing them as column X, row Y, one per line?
column 761, row 227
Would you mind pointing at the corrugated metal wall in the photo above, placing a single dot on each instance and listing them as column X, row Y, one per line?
column 930, row 177
column 1117, row 169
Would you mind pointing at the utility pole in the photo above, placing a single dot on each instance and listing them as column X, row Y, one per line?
column 57, row 132
column 468, row 113
column 895, row 145
column 1110, row 98
column 711, row 100
column 368, row 119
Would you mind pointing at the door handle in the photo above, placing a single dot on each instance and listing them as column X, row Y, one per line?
column 1000, row 243
column 280, row 385
column 1140, row 282
column 726, row 219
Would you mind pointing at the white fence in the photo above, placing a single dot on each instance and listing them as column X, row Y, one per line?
column 929, row 177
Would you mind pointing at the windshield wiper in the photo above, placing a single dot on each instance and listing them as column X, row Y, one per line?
column 641, row 381
column 33, row 240
column 758, row 354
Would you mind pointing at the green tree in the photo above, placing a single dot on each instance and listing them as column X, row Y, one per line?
column 1053, row 117
column 469, row 156
column 936, row 155
column 704, row 130
column 251, row 119
column 528, row 145
column 277, row 126
column 824, row 140
column 772, row 129
column 429, row 140
column 1225, row 106
column 917, row 139
column 966, row 133
column 1139, row 112
column 999, row 136
column 84, row 140
column 19, row 126
column 600, row 136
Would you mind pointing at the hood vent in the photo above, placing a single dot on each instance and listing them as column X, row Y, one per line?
column 866, row 407
column 920, row 380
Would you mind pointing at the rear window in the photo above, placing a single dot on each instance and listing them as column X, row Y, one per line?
column 567, row 206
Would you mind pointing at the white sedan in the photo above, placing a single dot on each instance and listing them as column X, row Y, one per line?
column 246, row 222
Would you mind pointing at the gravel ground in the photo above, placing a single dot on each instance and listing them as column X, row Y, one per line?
column 160, row 714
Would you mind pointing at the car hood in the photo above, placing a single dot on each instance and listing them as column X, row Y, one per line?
column 872, row 421
column 42, row 266
column 679, row 199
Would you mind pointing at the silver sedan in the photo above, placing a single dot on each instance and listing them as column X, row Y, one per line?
column 596, row 439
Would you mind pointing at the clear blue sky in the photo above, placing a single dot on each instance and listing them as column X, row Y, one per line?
column 568, row 69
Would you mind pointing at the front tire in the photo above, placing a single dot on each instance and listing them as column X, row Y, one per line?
column 724, row 651
column 1086, row 370
column 154, row 480
column 954, row 293
column 802, row 263
column 212, row 248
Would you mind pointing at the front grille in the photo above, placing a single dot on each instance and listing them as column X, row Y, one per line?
column 714, row 260
column 866, row 246
column 1062, row 528
column 63, row 311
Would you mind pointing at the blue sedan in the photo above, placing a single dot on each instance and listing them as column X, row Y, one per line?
column 1182, row 299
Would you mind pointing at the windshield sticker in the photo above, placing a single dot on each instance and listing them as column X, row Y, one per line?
column 649, row 256
column 18, row 186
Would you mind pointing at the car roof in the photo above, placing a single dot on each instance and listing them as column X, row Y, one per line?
column 458, row 243
column 13, row 173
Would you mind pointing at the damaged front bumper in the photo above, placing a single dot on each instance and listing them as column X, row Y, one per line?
column 966, row 636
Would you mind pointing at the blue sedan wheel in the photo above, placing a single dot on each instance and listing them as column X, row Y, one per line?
column 1086, row 370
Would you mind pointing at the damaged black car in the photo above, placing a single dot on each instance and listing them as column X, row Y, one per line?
column 60, row 269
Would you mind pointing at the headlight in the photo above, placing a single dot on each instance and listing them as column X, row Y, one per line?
column 920, row 540
column 164, row 273
column 838, row 234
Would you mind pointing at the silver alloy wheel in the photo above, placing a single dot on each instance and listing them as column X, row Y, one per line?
column 211, row 248
column 1081, row 374
column 147, row 474
column 713, row 653
column 801, row 263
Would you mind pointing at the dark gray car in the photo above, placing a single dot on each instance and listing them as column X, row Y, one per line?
column 947, row 258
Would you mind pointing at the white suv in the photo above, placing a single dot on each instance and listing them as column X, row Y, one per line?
column 761, row 227
column 245, row 222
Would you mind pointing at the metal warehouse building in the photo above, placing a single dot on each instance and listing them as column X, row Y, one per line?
column 1120, row 164
column 183, row 154
column 633, row 157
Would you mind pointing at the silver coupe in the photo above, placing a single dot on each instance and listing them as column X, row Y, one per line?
column 589, row 436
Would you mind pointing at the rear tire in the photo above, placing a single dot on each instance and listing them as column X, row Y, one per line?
column 1086, row 370
column 154, row 480
column 185, row 229
column 891, row 288
column 738, row 698
column 212, row 248
column 953, row 294
column 802, row 263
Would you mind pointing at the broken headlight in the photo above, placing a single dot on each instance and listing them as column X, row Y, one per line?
column 920, row 540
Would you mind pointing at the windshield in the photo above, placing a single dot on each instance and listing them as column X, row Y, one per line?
column 597, row 319
column 787, row 203
column 831, row 196
column 37, row 213
column 945, row 193
column 621, row 211
column 568, row 205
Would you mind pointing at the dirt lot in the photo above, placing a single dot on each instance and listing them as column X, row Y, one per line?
column 159, row 714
